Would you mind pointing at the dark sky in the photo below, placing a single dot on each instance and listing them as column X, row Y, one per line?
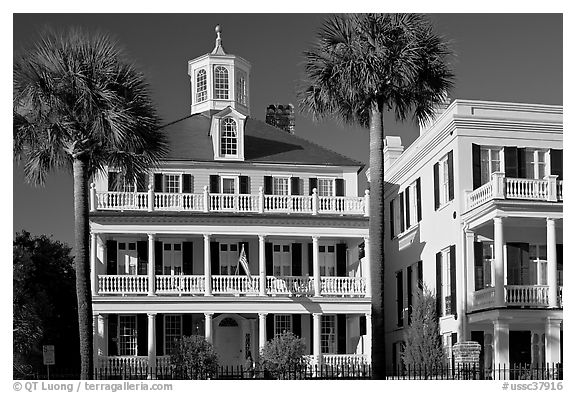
column 500, row 57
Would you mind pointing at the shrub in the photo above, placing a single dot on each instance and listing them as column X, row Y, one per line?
column 283, row 356
column 194, row 358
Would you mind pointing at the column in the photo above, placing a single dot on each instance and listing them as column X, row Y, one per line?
column 367, row 266
column 152, row 340
column 207, row 267
column 501, row 346
column 469, row 238
column 499, row 262
column 208, row 326
column 368, row 338
column 262, row 264
column 462, row 268
column 316, row 328
column 552, row 260
column 261, row 330
column 316, row 266
column 552, row 340
column 96, row 341
column 94, row 263
column 151, row 265
column 102, row 336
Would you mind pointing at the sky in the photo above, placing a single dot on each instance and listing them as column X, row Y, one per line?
column 499, row 57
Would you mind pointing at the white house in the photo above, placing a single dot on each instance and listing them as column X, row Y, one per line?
column 165, row 250
column 475, row 212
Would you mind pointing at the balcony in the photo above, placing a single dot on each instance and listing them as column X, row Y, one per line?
column 515, row 296
column 500, row 187
column 231, row 285
column 235, row 203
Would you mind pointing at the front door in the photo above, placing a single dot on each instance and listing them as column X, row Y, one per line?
column 127, row 258
column 520, row 352
column 228, row 342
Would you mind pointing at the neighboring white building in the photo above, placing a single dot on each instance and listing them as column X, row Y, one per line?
column 474, row 210
column 165, row 250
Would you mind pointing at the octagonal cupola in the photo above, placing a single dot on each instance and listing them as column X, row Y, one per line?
column 219, row 80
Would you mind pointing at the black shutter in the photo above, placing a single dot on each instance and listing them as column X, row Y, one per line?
column 420, row 279
column 339, row 187
column 312, row 184
column 268, row 257
column 362, row 325
column 409, row 291
column 453, row 300
column 158, row 182
column 187, row 258
column 407, row 204
column 268, row 185
column 142, row 334
column 159, row 334
column 556, row 166
column 522, row 163
column 187, row 183
column 186, row 324
column 419, row 199
column 214, row 184
column 559, row 264
column 142, row 250
column 215, row 258
column 478, row 266
column 297, row 325
column 436, row 186
column 158, row 256
column 399, row 299
column 244, row 185
column 112, row 335
column 511, row 161
column 111, row 257
column 439, row 284
column 518, row 263
column 112, row 181
column 476, row 167
column 270, row 327
column 295, row 184
column 141, row 181
column 341, row 260
column 392, row 219
column 401, row 198
column 341, row 331
column 311, row 319
column 310, row 259
column 450, row 175
column 296, row 259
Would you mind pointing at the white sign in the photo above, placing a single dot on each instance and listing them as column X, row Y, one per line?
column 48, row 355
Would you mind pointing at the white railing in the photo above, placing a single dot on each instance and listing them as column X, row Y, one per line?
column 480, row 195
column 340, row 205
column 114, row 200
column 526, row 295
column 180, row 284
column 234, row 202
column 289, row 285
column 484, row 297
column 344, row 359
column 122, row 284
column 235, row 285
column 560, row 193
column 288, row 203
column 171, row 201
column 163, row 361
column 533, row 189
column 343, row 286
column 123, row 362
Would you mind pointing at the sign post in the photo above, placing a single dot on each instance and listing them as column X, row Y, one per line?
column 48, row 356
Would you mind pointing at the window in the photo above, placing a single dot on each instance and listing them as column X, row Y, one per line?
column 447, row 306
column 412, row 201
column 172, row 258
column 444, row 180
column 229, row 184
column 241, row 93
column 127, row 335
column 201, row 86
column 538, row 267
column 488, row 262
column 327, row 260
column 172, row 331
column 221, row 83
column 491, row 159
column 229, row 254
column 282, row 260
column 280, row 186
column 127, row 258
column 325, row 187
column 535, row 164
column 171, row 183
column 397, row 216
column 228, row 138
column 282, row 323
column 328, row 334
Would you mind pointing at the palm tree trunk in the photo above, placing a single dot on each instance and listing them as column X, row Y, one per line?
column 82, row 264
column 376, row 232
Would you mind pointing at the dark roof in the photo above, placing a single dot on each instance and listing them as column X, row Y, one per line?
column 189, row 139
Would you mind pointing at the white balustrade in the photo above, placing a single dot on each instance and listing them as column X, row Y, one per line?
column 235, row 285
column 484, row 298
column 344, row 359
column 480, row 195
column 123, row 362
column 114, row 200
column 122, row 284
column 182, row 284
column 526, row 189
column 288, row 203
column 290, row 285
column 163, row 361
column 341, row 205
column 343, row 286
column 526, row 295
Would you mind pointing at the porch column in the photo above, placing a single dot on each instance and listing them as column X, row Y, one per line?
column 501, row 345
column 95, row 338
column 316, row 327
column 151, row 265
column 469, row 238
column 207, row 267
column 552, row 260
column 94, row 263
column 461, row 292
column 552, row 340
column 261, row 330
column 102, row 335
column 262, row 264
column 367, row 263
column 499, row 262
column 316, row 266
column 152, row 340
column 208, row 326
column 368, row 338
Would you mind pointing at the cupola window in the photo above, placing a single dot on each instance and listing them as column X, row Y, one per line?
column 201, row 91
column 221, row 83
column 241, row 93
column 228, row 138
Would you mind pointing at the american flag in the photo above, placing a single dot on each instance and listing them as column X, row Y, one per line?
column 244, row 262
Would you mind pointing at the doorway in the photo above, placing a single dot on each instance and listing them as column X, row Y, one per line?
column 228, row 342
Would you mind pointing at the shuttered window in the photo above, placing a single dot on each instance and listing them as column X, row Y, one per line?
column 444, row 180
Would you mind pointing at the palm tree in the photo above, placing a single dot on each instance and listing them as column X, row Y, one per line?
column 79, row 104
column 361, row 66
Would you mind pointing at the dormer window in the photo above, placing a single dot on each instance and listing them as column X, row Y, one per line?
column 220, row 83
column 201, row 86
column 229, row 138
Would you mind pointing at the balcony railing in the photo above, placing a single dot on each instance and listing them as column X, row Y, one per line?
column 344, row 360
column 129, row 362
column 237, row 203
column 516, row 296
column 231, row 285
column 501, row 187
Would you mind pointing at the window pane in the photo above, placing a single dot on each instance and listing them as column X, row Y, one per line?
column 280, row 186
column 221, row 83
column 228, row 186
column 228, row 138
column 131, row 246
column 201, row 93
column 286, row 248
column 277, row 247
column 233, row 247
column 328, row 334
column 172, row 183
column 177, row 247
column 127, row 335
column 173, row 331
column 325, row 187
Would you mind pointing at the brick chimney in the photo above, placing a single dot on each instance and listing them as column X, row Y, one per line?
column 281, row 116
column 392, row 150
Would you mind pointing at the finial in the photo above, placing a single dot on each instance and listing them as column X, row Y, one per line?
column 218, row 48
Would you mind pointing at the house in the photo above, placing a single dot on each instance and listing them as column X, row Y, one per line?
column 474, row 212
column 166, row 250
